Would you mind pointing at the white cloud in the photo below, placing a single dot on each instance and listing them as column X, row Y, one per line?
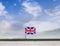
column 52, row 23
column 32, row 8
column 4, row 29
column 1, row 7
column 54, row 14
column 7, row 31
column 4, row 25
column 42, row 26
column 3, row 12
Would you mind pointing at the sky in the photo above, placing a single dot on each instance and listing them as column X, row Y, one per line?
column 15, row 15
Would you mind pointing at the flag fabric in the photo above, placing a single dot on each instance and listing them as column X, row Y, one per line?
column 30, row 30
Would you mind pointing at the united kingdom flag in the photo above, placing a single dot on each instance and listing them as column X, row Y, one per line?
column 30, row 30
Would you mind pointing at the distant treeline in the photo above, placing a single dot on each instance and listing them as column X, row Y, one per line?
column 29, row 39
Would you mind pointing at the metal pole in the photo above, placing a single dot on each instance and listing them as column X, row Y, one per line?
column 25, row 35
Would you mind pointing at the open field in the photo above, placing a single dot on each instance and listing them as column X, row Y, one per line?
column 29, row 43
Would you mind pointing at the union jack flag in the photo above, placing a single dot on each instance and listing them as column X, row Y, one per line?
column 30, row 30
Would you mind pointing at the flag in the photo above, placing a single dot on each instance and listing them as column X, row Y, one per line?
column 30, row 30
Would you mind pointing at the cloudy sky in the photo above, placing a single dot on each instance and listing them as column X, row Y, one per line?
column 15, row 15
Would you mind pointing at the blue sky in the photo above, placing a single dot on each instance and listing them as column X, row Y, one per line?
column 15, row 15
column 9, row 4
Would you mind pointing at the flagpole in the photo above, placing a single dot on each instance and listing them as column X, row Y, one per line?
column 25, row 35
